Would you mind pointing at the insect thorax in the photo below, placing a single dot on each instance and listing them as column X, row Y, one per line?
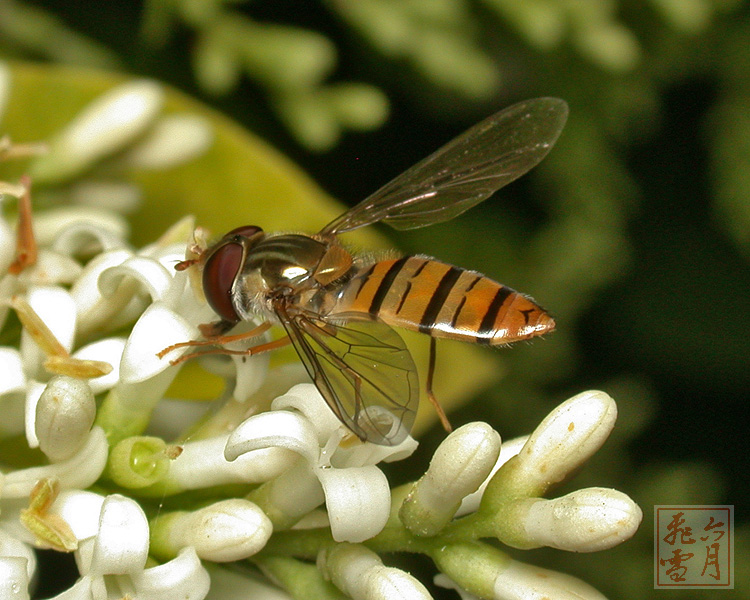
column 296, row 269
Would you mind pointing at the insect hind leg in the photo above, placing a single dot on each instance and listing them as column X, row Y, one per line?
column 428, row 387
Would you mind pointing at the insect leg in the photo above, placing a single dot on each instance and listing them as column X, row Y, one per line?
column 259, row 349
column 213, row 340
column 428, row 385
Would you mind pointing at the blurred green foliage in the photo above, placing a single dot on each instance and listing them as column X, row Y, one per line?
column 634, row 232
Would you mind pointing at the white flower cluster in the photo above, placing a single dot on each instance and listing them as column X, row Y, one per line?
column 82, row 387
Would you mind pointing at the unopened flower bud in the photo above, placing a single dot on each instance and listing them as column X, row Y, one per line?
column 520, row 580
column 564, row 440
column 361, row 575
column 586, row 520
column 173, row 140
column 226, row 531
column 460, row 465
column 105, row 126
column 64, row 416
column 486, row 572
column 508, row 450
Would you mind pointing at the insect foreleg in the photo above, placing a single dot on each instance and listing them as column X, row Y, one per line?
column 252, row 351
column 214, row 340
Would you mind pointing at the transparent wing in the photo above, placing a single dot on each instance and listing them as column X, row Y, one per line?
column 465, row 171
column 364, row 372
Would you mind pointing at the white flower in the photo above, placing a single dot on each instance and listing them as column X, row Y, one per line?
column 113, row 539
column 355, row 491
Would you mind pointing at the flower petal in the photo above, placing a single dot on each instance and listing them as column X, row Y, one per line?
column 12, row 547
column 358, row 455
column 277, row 428
column 11, row 371
column 110, row 351
column 122, row 542
column 80, row 471
column 14, row 578
column 459, row 466
column 586, row 520
column 251, row 373
column 80, row 510
column 224, row 531
column 97, row 313
column 7, row 245
column 150, row 274
column 202, row 464
column 118, row 196
column 361, row 575
column 306, row 399
column 51, row 268
column 56, row 307
column 358, row 501
column 53, row 223
column 183, row 577
column 80, row 236
column 156, row 329
column 566, row 438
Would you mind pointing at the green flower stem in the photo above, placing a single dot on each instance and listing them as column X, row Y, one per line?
column 307, row 543
column 126, row 410
column 300, row 543
column 119, row 420
column 160, row 538
column 300, row 579
column 473, row 565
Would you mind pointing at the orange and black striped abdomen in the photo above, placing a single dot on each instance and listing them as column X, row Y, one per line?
column 426, row 295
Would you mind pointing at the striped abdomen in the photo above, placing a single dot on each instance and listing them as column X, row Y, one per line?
column 426, row 295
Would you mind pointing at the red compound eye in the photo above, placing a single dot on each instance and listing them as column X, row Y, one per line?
column 219, row 273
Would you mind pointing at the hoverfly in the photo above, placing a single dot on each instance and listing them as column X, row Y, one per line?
column 338, row 309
